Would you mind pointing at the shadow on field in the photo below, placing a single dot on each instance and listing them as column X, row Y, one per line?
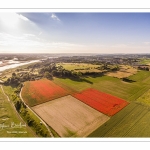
column 96, row 75
column 79, row 80
column 127, row 80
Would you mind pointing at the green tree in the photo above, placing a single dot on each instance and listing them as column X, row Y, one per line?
column 18, row 105
column 48, row 75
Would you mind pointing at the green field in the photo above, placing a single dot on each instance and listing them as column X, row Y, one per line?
column 132, row 121
column 125, row 90
column 82, row 67
column 145, row 61
column 145, row 98
column 8, row 117
column 141, row 76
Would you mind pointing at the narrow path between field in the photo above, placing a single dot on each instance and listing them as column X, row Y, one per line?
column 16, row 110
column 36, row 115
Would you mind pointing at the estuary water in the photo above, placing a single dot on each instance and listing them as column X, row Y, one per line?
column 14, row 64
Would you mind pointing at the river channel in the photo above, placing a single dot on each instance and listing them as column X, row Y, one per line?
column 14, row 64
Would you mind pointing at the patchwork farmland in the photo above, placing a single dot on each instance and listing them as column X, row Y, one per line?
column 81, row 109
column 75, row 115
column 69, row 117
column 67, row 74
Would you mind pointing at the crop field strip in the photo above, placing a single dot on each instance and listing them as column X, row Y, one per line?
column 144, row 99
column 100, row 101
column 73, row 85
column 138, row 93
column 107, row 127
column 141, row 128
column 140, row 76
column 126, row 123
column 143, row 113
column 70, row 117
column 61, row 84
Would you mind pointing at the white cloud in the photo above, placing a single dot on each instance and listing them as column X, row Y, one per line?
column 23, row 17
column 25, row 40
column 53, row 16
column 29, row 42
column 28, row 35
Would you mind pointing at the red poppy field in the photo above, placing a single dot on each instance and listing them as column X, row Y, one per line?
column 100, row 101
column 40, row 91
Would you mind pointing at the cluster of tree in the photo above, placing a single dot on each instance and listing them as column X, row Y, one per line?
column 13, row 80
column 143, row 68
column 57, row 71
column 116, row 68
column 18, row 79
column 23, row 111
column 49, row 70
column 33, row 123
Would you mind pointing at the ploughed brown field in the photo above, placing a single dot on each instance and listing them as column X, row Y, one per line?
column 70, row 117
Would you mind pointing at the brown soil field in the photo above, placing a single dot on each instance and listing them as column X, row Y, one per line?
column 125, row 71
column 70, row 117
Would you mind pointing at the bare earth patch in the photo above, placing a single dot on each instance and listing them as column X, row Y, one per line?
column 69, row 117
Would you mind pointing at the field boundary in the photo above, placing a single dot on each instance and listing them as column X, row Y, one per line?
column 129, row 123
column 74, row 119
column 36, row 114
column 101, row 101
column 71, row 90
column 41, row 91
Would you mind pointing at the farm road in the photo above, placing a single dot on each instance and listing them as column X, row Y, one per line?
column 36, row 114
column 16, row 110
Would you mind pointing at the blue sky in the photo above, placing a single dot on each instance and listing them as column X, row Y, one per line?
column 74, row 32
